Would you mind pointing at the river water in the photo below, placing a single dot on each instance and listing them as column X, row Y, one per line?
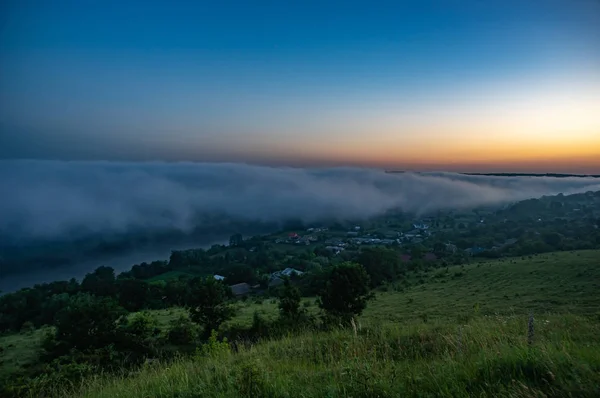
column 121, row 262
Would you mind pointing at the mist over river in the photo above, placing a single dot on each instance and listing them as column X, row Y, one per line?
column 120, row 262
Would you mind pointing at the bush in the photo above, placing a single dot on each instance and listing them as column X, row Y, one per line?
column 346, row 292
column 251, row 382
column 182, row 331
column 27, row 327
column 213, row 347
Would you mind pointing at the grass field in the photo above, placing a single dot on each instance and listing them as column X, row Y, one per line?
column 19, row 350
column 486, row 357
column 549, row 283
column 457, row 331
column 561, row 282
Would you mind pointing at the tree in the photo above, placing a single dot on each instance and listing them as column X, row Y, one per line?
column 138, row 337
column 239, row 273
column 346, row 291
column 439, row 249
column 235, row 240
column 380, row 263
column 176, row 291
column 289, row 302
column 86, row 322
column 133, row 294
column 51, row 306
column 182, row 331
column 207, row 303
column 101, row 282
column 417, row 252
column 553, row 239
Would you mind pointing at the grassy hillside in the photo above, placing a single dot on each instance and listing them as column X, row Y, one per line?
column 554, row 282
column 456, row 332
column 463, row 328
column 561, row 282
column 19, row 350
column 486, row 357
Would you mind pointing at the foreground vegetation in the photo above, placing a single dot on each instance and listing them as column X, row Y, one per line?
column 484, row 357
column 440, row 331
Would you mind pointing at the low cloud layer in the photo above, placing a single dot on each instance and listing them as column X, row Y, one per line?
column 47, row 199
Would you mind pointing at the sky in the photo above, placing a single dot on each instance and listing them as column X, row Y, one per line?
column 457, row 85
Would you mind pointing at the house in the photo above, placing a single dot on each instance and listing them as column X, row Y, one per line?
column 357, row 228
column 240, row 289
column 293, row 235
column 219, row 277
column 420, row 226
column 335, row 242
column 286, row 272
column 352, row 233
column 276, row 281
column 335, row 249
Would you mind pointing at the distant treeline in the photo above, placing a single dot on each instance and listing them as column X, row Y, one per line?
column 557, row 175
column 532, row 175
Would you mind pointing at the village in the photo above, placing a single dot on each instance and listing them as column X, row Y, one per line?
column 437, row 240
column 339, row 240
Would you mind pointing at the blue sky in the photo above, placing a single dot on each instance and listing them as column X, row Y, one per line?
column 427, row 84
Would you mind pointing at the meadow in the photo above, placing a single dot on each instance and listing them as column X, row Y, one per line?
column 455, row 331
column 560, row 282
column 485, row 357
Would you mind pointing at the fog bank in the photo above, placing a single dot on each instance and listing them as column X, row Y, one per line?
column 48, row 199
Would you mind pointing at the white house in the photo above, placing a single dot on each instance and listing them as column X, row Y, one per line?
column 286, row 272
column 219, row 277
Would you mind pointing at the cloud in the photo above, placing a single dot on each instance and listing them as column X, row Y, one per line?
column 49, row 199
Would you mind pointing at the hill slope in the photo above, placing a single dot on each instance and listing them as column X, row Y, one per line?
column 460, row 332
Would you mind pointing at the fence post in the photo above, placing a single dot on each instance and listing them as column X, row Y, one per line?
column 530, row 329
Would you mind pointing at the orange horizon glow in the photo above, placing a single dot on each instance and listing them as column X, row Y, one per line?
column 554, row 128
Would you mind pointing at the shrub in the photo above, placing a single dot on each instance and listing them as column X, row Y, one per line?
column 213, row 347
column 182, row 331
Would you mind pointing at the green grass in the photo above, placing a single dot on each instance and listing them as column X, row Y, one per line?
column 455, row 333
column 460, row 332
column 555, row 282
column 561, row 282
column 486, row 357
column 548, row 283
column 20, row 350
column 244, row 311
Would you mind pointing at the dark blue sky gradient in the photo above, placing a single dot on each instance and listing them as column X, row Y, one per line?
column 200, row 80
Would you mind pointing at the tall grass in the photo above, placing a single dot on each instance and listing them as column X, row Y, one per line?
column 489, row 356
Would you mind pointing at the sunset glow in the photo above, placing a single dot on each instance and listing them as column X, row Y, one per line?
column 447, row 85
